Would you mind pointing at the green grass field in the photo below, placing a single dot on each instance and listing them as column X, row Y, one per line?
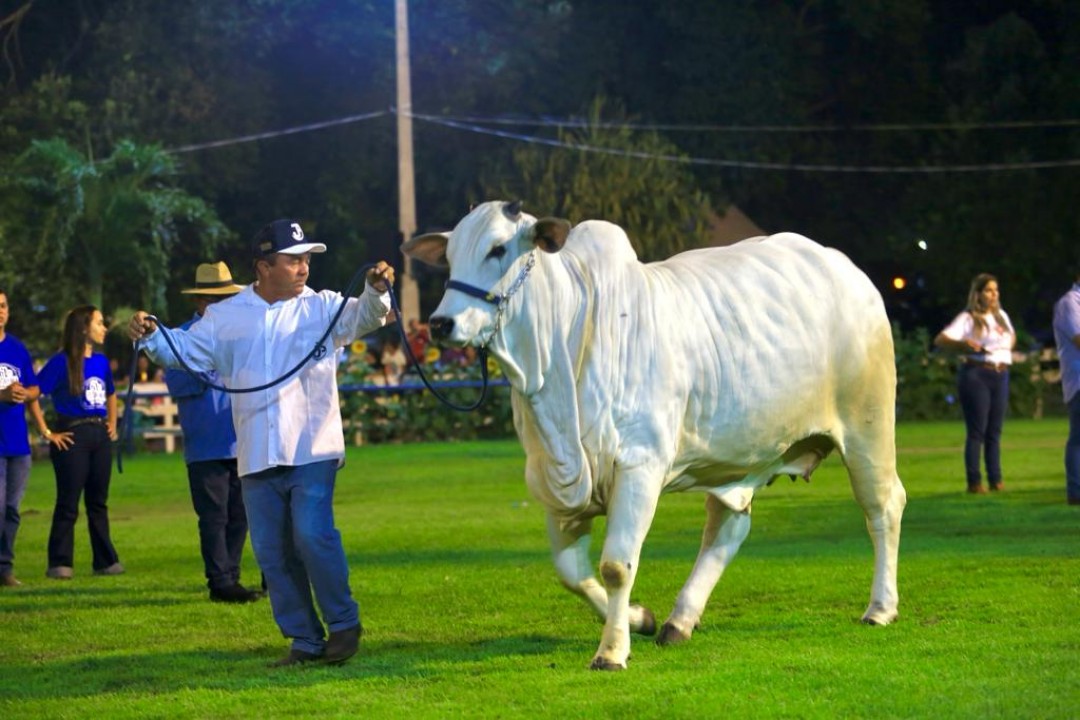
column 464, row 616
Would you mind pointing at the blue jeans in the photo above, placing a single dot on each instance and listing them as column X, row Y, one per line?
column 1072, row 450
column 291, row 520
column 984, row 397
column 14, row 472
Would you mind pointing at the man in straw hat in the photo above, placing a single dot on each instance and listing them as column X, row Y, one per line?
column 210, row 453
column 290, row 440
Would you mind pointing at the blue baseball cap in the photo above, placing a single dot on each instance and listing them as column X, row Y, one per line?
column 286, row 237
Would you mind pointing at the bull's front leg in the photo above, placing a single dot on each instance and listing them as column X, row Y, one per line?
column 630, row 513
column 570, row 543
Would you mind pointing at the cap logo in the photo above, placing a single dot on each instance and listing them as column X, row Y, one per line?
column 298, row 233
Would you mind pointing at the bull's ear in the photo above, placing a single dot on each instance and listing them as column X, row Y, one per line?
column 549, row 234
column 429, row 248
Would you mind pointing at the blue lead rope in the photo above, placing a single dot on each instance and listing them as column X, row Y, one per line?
column 318, row 351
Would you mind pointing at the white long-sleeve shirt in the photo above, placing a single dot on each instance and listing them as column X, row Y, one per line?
column 997, row 342
column 250, row 342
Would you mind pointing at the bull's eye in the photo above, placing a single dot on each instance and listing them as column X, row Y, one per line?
column 497, row 252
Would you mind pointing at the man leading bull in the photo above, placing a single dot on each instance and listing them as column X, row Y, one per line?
column 289, row 436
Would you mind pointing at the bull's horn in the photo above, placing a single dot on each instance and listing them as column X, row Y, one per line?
column 513, row 210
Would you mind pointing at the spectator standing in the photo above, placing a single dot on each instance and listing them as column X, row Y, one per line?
column 18, row 385
column 145, row 372
column 419, row 337
column 84, row 397
column 393, row 361
column 1067, row 339
column 984, row 337
column 289, row 436
column 210, row 453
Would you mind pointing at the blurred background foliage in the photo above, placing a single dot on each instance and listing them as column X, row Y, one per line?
column 104, row 200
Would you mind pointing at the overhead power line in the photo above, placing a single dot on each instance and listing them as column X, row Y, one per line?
column 709, row 127
column 753, row 165
column 278, row 133
column 474, row 127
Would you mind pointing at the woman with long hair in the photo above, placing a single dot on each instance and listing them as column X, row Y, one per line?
column 81, row 386
column 984, row 337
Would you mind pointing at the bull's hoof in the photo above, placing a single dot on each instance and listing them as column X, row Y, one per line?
column 878, row 617
column 648, row 621
column 602, row 663
column 671, row 635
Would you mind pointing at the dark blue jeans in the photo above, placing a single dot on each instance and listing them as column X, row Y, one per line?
column 217, row 499
column 984, row 397
column 1072, row 450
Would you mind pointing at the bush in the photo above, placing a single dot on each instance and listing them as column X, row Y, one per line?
column 373, row 414
column 926, row 381
column 925, row 390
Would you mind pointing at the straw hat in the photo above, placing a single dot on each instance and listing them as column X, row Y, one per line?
column 213, row 279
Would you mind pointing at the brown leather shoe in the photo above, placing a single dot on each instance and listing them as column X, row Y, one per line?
column 295, row 657
column 997, row 487
column 114, row 569
column 976, row 489
column 60, row 572
column 342, row 645
column 9, row 580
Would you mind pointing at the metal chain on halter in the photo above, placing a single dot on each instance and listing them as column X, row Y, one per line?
column 514, row 287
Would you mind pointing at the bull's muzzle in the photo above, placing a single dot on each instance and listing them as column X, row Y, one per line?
column 441, row 327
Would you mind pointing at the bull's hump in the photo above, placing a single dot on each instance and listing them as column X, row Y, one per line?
column 598, row 242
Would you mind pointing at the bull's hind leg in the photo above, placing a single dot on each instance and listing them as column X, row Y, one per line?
column 570, row 541
column 725, row 531
column 871, row 464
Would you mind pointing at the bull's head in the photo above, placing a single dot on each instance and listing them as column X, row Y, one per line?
column 489, row 254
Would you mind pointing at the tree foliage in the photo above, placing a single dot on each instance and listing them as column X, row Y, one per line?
column 623, row 180
column 97, row 73
column 108, row 229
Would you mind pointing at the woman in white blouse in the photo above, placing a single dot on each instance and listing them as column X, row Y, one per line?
column 984, row 337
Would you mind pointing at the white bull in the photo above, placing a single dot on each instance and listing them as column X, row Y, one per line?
column 715, row 370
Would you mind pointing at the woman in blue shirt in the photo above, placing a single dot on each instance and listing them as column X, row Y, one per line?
column 81, row 386
column 18, row 386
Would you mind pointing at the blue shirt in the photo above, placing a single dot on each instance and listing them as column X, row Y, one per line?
column 1066, row 327
column 205, row 413
column 97, row 386
column 15, row 366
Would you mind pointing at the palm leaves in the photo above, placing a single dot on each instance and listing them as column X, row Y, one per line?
column 97, row 231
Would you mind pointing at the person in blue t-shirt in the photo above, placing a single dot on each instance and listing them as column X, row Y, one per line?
column 80, row 383
column 18, row 385
column 210, row 453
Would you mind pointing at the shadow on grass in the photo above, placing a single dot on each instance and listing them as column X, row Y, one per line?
column 36, row 601
column 480, row 556
column 142, row 672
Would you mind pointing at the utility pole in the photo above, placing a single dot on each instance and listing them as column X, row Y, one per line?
column 410, row 293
